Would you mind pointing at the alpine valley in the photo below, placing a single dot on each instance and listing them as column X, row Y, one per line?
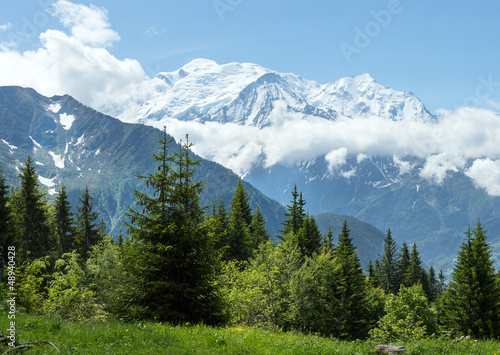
column 352, row 146
column 75, row 145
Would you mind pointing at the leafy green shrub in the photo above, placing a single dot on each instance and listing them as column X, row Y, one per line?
column 67, row 295
column 408, row 317
column 107, row 277
column 31, row 280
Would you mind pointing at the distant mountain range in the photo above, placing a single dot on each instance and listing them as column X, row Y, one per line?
column 278, row 129
column 74, row 145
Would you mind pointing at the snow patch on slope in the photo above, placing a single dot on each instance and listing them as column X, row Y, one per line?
column 66, row 120
column 49, row 183
column 58, row 159
column 54, row 107
column 12, row 148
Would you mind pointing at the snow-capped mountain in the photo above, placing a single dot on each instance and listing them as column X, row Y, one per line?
column 352, row 146
column 74, row 145
column 245, row 94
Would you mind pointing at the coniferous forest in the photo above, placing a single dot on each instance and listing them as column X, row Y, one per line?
column 181, row 263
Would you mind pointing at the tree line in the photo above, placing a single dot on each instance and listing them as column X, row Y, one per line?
column 183, row 262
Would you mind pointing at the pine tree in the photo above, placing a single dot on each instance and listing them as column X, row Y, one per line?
column 241, row 197
column 433, row 286
column 89, row 232
column 387, row 272
column 472, row 299
column 240, row 218
column 328, row 240
column 352, row 319
column 309, row 237
column 221, row 227
column 64, row 224
column 258, row 230
column 415, row 270
column 295, row 216
column 173, row 254
column 33, row 216
column 403, row 266
column 441, row 283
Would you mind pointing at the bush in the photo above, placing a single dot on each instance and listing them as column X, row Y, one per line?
column 67, row 295
column 407, row 317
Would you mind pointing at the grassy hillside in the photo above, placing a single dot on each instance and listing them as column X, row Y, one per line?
column 155, row 338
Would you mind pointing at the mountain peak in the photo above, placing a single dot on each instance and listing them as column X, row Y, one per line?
column 199, row 64
column 364, row 77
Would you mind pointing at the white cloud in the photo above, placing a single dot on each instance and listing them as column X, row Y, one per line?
column 486, row 174
column 153, row 31
column 5, row 26
column 444, row 146
column 87, row 24
column 404, row 166
column 76, row 64
column 336, row 158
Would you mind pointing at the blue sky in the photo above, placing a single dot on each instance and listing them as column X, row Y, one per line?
column 446, row 52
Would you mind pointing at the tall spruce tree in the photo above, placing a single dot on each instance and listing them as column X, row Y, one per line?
column 32, row 214
column 433, row 286
column 403, row 266
column 352, row 319
column 387, row 272
column 240, row 219
column 258, row 230
column 309, row 237
column 295, row 216
column 415, row 273
column 64, row 224
column 89, row 231
column 328, row 240
column 472, row 300
column 221, row 227
column 175, row 261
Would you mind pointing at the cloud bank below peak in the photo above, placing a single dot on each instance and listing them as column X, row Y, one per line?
column 465, row 140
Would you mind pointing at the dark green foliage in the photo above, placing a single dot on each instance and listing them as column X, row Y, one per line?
column 414, row 274
column 258, row 229
column 241, row 197
column 441, row 282
column 316, row 293
column 404, row 266
column 309, row 237
column 89, row 232
column 64, row 224
column 240, row 218
column 352, row 319
column 387, row 269
column 33, row 221
column 172, row 251
column 433, row 286
column 328, row 242
column 471, row 302
column 368, row 240
column 295, row 215
column 221, row 228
